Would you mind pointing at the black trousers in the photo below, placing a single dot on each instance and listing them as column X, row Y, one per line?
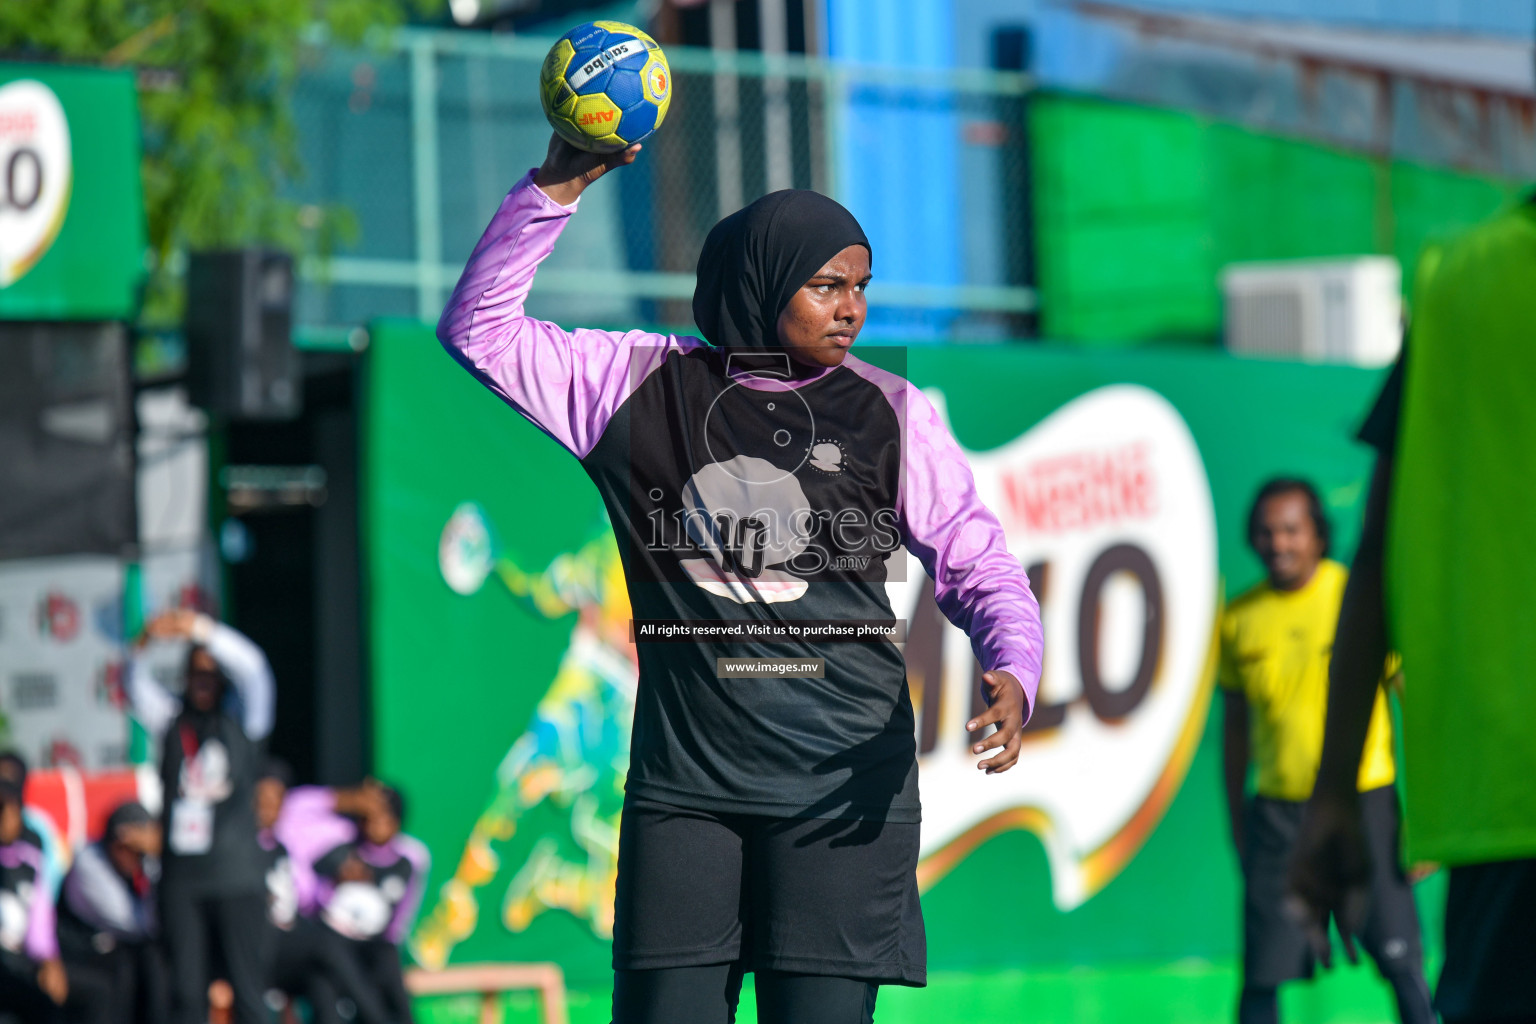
column 1490, row 944
column 797, row 896
column 312, row 962
column 20, row 996
column 1276, row 950
column 378, row 962
column 126, row 985
column 196, row 923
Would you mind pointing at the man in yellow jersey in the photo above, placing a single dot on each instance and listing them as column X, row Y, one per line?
column 1275, row 645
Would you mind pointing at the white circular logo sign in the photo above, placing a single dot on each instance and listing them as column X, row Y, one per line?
column 465, row 552
column 35, row 175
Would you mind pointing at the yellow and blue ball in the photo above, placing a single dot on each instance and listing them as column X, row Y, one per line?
column 605, row 86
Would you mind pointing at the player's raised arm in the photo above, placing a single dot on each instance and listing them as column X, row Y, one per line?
column 568, row 383
column 978, row 584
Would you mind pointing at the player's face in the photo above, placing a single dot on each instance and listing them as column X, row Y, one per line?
column 821, row 321
column 1286, row 540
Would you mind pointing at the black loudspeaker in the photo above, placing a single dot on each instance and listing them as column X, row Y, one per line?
column 241, row 360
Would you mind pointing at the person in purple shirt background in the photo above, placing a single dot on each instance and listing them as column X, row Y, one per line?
column 359, row 881
column 272, row 784
column 37, row 828
column 760, row 480
column 33, row 983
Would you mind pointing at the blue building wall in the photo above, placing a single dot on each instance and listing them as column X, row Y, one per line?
column 898, row 152
column 976, row 21
column 1491, row 17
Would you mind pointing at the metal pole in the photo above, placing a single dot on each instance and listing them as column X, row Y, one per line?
column 835, row 98
column 426, row 191
column 722, row 39
column 816, row 113
column 773, row 29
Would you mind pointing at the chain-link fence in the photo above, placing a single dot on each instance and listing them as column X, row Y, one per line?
column 420, row 137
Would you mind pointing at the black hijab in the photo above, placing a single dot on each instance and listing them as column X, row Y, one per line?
column 755, row 260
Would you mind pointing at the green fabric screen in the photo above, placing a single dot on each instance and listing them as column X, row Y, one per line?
column 1462, row 548
column 1137, row 209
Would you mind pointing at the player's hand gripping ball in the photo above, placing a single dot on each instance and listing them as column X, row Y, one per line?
column 605, row 86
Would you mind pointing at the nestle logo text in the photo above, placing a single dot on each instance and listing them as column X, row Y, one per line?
column 1081, row 490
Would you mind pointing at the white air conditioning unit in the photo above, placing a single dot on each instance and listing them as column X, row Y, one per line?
column 1320, row 311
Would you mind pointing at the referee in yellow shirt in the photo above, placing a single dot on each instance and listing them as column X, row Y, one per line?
column 1275, row 644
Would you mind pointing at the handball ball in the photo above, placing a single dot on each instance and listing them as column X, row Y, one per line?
column 605, row 86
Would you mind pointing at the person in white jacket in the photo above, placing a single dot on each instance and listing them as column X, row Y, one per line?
column 213, row 877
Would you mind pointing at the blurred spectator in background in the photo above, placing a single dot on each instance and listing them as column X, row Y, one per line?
column 33, row 984
column 362, row 878
column 1443, row 573
column 308, row 959
column 1275, row 644
column 107, row 919
column 213, row 878
column 35, row 826
column 282, row 887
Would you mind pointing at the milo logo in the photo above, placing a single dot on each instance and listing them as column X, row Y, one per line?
column 36, row 175
column 1107, row 505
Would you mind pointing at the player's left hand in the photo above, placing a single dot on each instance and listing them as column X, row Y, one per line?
column 1006, row 697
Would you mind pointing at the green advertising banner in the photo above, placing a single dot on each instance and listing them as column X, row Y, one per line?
column 72, row 235
column 1138, row 208
column 504, row 678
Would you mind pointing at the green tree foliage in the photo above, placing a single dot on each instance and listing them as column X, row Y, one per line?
column 216, row 79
